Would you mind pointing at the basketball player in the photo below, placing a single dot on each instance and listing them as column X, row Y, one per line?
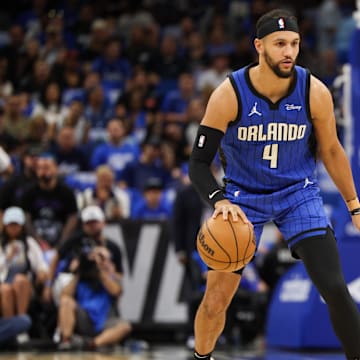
column 266, row 119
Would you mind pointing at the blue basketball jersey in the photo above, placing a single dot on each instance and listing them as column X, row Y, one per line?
column 268, row 154
column 270, row 146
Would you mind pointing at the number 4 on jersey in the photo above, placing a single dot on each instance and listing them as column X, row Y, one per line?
column 270, row 153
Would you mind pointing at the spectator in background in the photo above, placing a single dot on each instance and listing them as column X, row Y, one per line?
column 6, row 167
column 7, row 141
column 168, row 65
column 149, row 165
column 98, row 36
column 11, row 327
column 75, row 118
column 176, row 102
column 113, row 66
column 137, row 50
column 118, row 151
column 24, row 266
column 38, row 132
column 69, row 157
column 15, row 123
column 170, row 159
column 139, row 104
column 92, row 79
column 152, row 205
column 30, row 106
column 50, row 207
column 187, row 27
column 210, row 78
column 37, row 81
column 131, row 106
column 12, row 190
column 53, row 42
column 174, row 135
column 6, row 86
column 32, row 18
column 51, row 106
column 26, row 62
column 97, row 109
column 218, row 42
column 132, row 17
column 196, row 55
column 68, row 71
column 12, row 51
column 87, row 301
column 73, row 88
column 115, row 202
column 82, row 27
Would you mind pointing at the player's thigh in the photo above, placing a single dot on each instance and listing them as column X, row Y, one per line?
column 305, row 218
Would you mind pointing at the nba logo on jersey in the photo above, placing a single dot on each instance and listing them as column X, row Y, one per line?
column 281, row 23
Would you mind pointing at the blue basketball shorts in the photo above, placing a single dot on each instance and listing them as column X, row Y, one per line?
column 297, row 211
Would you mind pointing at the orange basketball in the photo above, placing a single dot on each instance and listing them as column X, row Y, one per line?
column 226, row 245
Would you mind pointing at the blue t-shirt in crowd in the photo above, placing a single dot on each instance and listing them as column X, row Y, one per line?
column 136, row 174
column 174, row 103
column 116, row 156
column 141, row 211
column 96, row 303
column 113, row 73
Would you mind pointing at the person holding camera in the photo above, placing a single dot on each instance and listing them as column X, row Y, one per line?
column 90, row 297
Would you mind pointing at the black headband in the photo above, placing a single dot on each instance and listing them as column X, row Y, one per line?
column 277, row 24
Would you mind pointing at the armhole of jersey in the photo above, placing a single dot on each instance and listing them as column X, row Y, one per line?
column 239, row 111
column 312, row 139
column 307, row 95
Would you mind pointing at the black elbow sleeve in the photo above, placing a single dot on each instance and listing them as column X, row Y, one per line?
column 203, row 153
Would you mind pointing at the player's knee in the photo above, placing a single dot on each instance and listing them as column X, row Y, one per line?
column 215, row 302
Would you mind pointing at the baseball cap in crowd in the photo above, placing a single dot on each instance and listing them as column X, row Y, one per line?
column 92, row 213
column 153, row 183
column 15, row 215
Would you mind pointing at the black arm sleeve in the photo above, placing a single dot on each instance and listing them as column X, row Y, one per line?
column 204, row 150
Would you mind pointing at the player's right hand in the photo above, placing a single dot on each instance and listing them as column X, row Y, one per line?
column 226, row 207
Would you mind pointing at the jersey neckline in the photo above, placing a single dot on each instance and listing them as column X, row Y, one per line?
column 272, row 105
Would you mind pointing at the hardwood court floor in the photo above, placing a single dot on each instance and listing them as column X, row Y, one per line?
column 171, row 353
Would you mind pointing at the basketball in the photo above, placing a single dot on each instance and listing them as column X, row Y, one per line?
column 226, row 245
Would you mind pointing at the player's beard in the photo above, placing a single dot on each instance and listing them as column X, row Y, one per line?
column 275, row 67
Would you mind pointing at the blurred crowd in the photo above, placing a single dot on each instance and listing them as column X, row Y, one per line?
column 100, row 102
